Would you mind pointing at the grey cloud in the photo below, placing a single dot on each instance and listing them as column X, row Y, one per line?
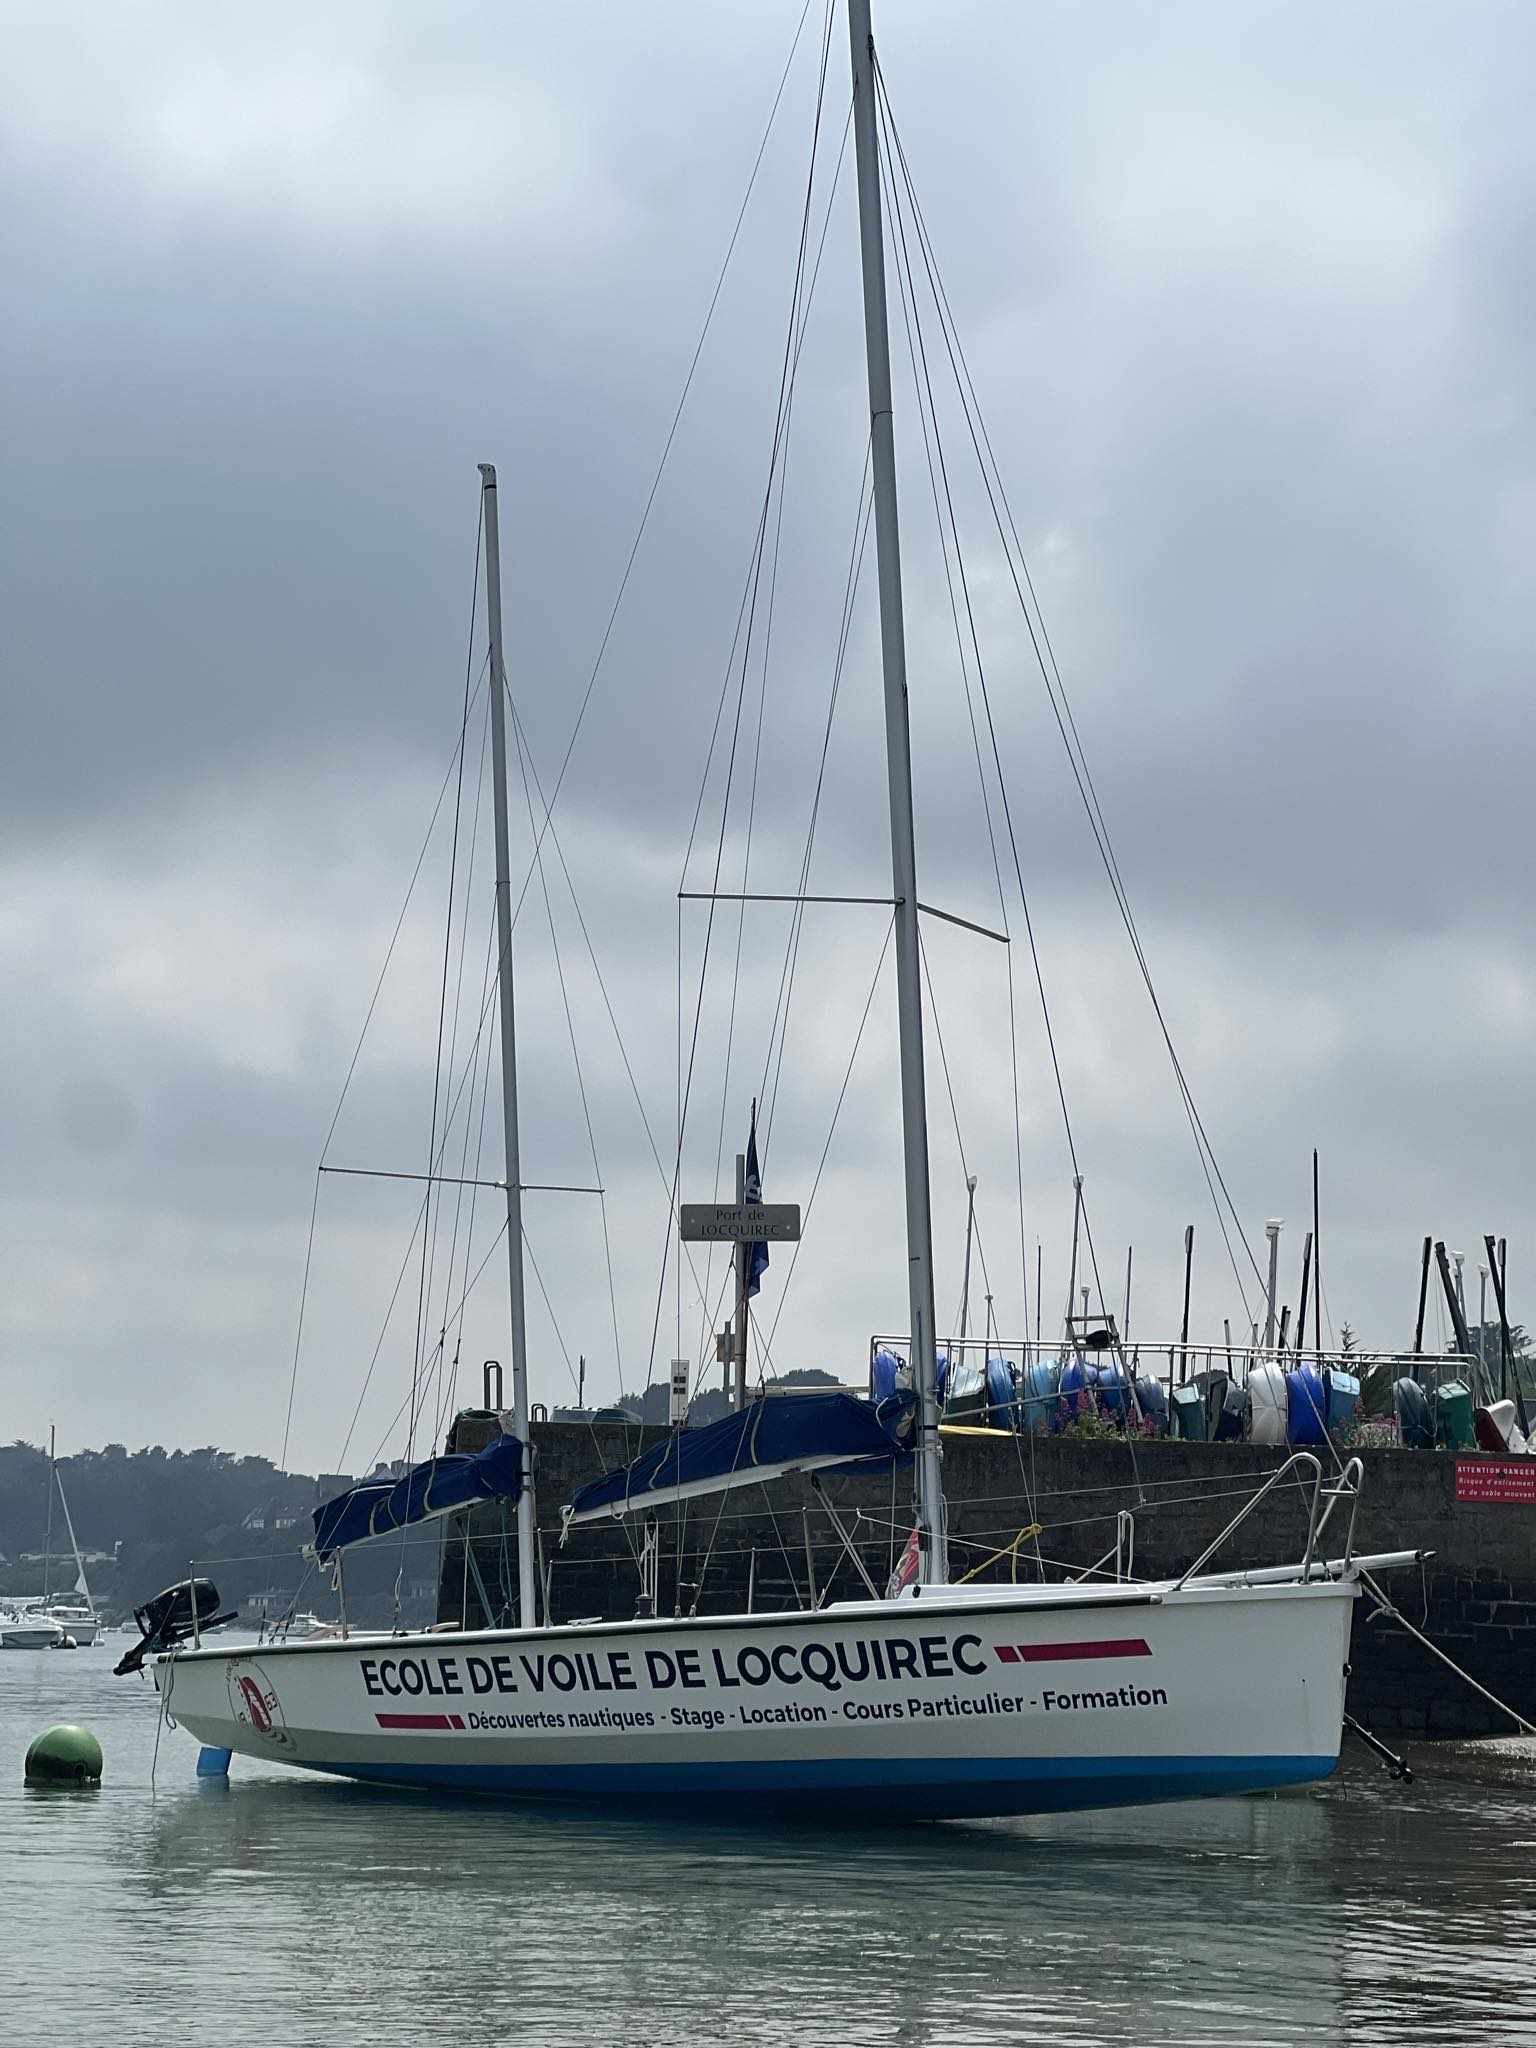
column 1246, row 298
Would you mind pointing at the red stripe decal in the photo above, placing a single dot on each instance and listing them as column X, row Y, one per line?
column 1072, row 1653
column 419, row 1720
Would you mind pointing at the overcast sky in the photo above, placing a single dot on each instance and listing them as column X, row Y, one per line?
column 1247, row 293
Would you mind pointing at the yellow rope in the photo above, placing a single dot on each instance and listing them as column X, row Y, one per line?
column 1008, row 1550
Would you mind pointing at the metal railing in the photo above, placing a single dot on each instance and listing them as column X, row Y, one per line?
column 1321, row 1502
column 1298, row 1460
column 1176, row 1364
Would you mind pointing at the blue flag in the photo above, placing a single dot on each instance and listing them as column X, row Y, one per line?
column 752, row 1193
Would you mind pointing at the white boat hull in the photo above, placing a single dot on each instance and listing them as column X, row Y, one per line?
column 1020, row 1701
column 83, row 1627
column 30, row 1635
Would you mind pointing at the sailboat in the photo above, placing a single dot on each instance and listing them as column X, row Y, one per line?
column 76, row 1614
column 941, row 1700
column 72, row 1615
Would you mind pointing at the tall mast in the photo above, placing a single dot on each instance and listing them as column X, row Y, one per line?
column 527, row 1577
column 933, row 1564
column 53, row 1469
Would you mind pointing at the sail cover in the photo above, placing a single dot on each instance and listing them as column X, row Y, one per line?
column 456, row 1480
column 775, row 1435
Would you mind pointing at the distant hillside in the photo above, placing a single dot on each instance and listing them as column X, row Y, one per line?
column 653, row 1405
column 150, row 1515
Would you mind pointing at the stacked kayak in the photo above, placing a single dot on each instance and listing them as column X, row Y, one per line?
column 1039, row 1404
column 1268, row 1404
column 1277, row 1405
column 1415, row 1417
column 1306, row 1400
column 1001, row 1395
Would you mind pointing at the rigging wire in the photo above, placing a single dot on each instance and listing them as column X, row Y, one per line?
column 347, row 1079
column 949, row 523
column 597, row 665
column 750, row 604
column 765, row 1343
column 792, row 946
column 947, row 536
column 666, row 450
column 478, row 1125
column 821, row 1164
column 1055, row 689
column 428, row 1238
column 779, row 1024
column 581, row 922
column 458, row 1003
column 925, row 396
column 954, row 1107
column 570, row 1026
column 429, row 1234
column 779, row 472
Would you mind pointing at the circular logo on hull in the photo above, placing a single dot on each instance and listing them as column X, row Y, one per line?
column 254, row 1702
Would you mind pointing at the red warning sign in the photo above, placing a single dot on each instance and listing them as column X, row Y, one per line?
column 1510, row 1480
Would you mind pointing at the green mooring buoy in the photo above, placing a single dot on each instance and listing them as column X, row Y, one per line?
column 64, row 1756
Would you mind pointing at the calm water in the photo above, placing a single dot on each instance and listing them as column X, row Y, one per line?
column 284, row 1911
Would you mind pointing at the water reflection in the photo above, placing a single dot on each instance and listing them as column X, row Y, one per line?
column 1115, row 1928
column 297, row 1910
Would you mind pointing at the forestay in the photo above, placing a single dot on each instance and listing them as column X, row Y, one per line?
column 456, row 1480
column 774, row 1435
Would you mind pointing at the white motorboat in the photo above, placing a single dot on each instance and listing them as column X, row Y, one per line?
column 942, row 1700
column 30, row 1631
column 303, row 1627
column 76, row 1619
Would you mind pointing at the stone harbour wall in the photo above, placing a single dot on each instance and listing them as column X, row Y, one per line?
column 776, row 1547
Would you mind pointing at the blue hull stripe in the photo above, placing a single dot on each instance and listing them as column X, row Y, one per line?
column 938, row 1787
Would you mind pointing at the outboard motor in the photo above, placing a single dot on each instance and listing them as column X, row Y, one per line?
column 167, row 1620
